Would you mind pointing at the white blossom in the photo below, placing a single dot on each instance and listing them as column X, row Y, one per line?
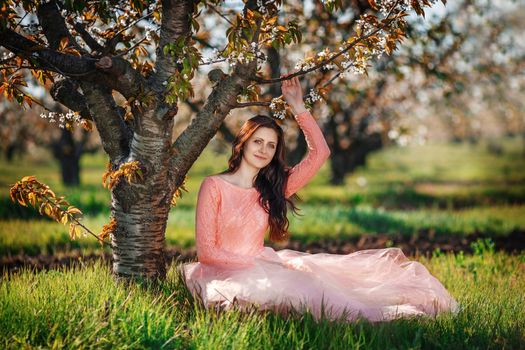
column 312, row 97
column 61, row 118
column 279, row 114
column 393, row 134
column 274, row 107
column 303, row 65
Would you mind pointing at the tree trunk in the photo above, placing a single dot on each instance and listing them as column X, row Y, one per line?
column 68, row 153
column 345, row 161
column 138, row 241
column 295, row 155
column 141, row 207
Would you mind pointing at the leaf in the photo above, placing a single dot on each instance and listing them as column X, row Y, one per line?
column 86, row 125
column 73, row 210
column 72, row 230
column 50, row 193
column 78, row 230
column 32, row 198
column 41, row 209
column 63, row 44
column 28, row 178
column 21, row 200
column 373, row 4
column 64, row 218
column 48, row 210
column 28, row 100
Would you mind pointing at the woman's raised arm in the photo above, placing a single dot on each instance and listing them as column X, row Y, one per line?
column 318, row 150
column 317, row 153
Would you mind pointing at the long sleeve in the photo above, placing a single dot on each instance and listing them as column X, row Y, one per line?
column 318, row 152
column 207, row 230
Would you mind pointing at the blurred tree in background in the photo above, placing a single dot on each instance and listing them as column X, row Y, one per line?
column 20, row 135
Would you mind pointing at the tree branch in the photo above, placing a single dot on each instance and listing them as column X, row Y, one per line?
column 220, row 14
column 114, row 133
column 117, row 74
column 253, row 103
column 120, row 76
column 66, row 92
column 88, row 39
column 126, row 78
column 175, row 24
column 67, row 65
column 54, row 26
column 331, row 59
column 204, row 126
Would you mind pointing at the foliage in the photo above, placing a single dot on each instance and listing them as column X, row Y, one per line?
column 129, row 171
column 251, row 31
column 178, row 192
column 29, row 191
column 107, row 229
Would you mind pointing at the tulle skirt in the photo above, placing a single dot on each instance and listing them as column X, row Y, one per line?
column 375, row 284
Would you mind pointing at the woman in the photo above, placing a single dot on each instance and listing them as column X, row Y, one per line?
column 235, row 209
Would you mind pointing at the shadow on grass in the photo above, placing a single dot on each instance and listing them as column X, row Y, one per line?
column 379, row 222
column 406, row 196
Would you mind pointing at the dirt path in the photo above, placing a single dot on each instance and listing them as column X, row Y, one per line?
column 422, row 244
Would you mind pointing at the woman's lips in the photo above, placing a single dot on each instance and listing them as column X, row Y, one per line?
column 262, row 158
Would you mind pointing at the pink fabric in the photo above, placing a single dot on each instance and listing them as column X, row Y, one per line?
column 235, row 268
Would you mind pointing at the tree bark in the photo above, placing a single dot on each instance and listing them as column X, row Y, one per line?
column 141, row 212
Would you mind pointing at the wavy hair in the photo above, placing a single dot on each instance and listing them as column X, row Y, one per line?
column 271, row 180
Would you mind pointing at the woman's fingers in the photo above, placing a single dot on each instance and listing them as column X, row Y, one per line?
column 288, row 84
column 296, row 81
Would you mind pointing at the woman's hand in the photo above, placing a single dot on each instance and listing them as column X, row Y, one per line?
column 293, row 94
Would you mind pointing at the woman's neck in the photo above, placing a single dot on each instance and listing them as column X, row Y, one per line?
column 244, row 176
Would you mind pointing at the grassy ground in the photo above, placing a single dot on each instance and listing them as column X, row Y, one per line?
column 447, row 189
column 33, row 237
column 85, row 308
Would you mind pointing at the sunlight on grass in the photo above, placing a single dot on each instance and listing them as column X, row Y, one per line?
column 84, row 307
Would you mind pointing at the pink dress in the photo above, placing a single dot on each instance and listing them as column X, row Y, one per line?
column 235, row 268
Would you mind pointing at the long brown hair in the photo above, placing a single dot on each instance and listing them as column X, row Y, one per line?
column 271, row 180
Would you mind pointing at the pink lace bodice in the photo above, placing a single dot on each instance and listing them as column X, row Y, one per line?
column 230, row 223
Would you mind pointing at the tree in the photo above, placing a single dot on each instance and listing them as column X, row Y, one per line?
column 21, row 131
column 97, row 57
column 455, row 57
column 467, row 73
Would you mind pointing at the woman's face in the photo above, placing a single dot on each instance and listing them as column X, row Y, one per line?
column 259, row 149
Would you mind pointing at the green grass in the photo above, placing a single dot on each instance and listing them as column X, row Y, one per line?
column 448, row 189
column 321, row 222
column 85, row 308
column 33, row 237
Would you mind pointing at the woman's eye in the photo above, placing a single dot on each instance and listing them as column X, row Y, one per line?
column 257, row 141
